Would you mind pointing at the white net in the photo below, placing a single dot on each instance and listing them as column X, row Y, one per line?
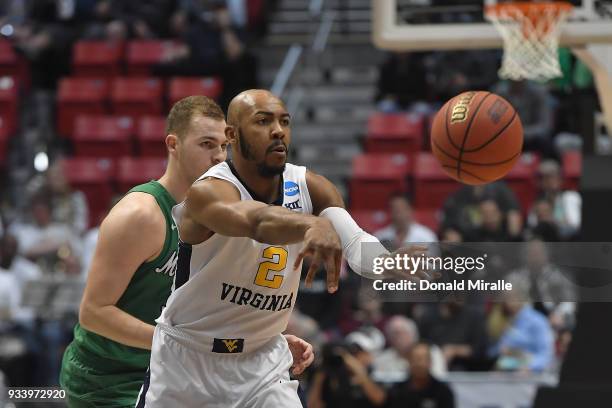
column 531, row 34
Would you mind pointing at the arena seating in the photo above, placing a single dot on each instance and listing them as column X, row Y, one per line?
column 94, row 178
column 431, row 183
column 136, row 96
column 141, row 55
column 97, row 59
column 150, row 135
column 78, row 96
column 572, row 168
column 9, row 101
column 521, row 179
column 375, row 178
column 13, row 65
column 132, row 171
column 103, row 136
column 428, row 217
column 5, row 135
column 180, row 88
column 370, row 220
column 393, row 133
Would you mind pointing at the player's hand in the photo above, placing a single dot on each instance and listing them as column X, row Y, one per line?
column 302, row 353
column 322, row 244
column 420, row 274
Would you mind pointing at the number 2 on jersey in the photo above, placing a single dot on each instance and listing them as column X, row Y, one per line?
column 278, row 262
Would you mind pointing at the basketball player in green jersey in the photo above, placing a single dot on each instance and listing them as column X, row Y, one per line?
column 133, row 268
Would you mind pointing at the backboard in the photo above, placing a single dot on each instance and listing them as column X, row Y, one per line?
column 445, row 25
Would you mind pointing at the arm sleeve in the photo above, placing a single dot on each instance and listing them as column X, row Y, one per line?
column 359, row 257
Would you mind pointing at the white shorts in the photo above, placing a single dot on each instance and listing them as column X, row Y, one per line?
column 181, row 376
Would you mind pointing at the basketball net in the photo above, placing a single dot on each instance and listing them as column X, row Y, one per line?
column 531, row 34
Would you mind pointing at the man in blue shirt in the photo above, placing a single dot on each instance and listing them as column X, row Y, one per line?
column 527, row 343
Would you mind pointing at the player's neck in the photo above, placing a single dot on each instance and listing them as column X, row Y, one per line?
column 174, row 183
column 266, row 188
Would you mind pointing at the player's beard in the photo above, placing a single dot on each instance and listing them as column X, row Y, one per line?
column 263, row 169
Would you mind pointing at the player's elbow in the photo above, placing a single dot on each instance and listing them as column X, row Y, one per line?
column 87, row 315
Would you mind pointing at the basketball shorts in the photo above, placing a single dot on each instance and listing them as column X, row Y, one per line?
column 183, row 376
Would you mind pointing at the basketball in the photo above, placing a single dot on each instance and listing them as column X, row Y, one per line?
column 477, row 136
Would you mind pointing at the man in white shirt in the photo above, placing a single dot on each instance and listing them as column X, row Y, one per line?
column 403, row 229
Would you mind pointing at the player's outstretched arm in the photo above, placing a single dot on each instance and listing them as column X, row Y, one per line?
column 327, row 203
column 131, row 234
column 215, row 205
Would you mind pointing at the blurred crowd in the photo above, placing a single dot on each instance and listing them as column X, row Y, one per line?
column 421, row 82
column 212, row 37
column 360, row 340
column 364, row 341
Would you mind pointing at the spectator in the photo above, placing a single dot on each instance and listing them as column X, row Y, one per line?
column 22, row 269
column 455, row 72
column 213, row 46
column 462, row 208
column 422, row 390
column 552, row 291
column 45, row 241
column 492, row 227
column 315, row 301
column 565, row 205
column 392, row 363
column 542, row 223
column 458, row 329
column 527, row 342
column 533, row 103
column 69, row 206
column 403, row 230
column 344, row 379
column 451, row 234
column 402, row 82
column 46, row 36
column 367, row 311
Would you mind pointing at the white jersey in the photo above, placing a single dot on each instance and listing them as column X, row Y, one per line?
column 233, row 294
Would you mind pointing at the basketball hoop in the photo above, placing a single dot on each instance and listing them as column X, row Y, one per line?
column 531, row 34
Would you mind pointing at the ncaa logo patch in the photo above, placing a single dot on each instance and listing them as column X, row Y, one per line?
column 291, row 188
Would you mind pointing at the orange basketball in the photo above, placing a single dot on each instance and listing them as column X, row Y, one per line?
column 477, row 137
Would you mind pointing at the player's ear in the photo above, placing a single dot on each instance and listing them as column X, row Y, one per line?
column 230, row 134
column 171, row 143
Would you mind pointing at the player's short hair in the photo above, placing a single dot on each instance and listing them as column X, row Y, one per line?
column 182, row 112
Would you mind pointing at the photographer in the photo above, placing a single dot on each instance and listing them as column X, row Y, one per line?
column 343, row 380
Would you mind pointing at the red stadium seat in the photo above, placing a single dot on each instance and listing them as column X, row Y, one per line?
column 78, row 96
column 429, row 217
column 141, row 55
column 522, row 180
column 5, row 135
column 99, row 59
column 370, row 220
column 131, row 171
column 431, row 183
column 394, row 133
column 375, row 177
column 12, row 64
column 150, row 134
column 182, row 87
column 572, row 169
column 136, row 97
column 94, row 178
column 103, row 136
column 9, row 100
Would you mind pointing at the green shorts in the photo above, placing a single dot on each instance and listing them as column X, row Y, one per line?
column 90, row 382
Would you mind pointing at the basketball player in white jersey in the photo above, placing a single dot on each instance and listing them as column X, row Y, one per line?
column 244, row 228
